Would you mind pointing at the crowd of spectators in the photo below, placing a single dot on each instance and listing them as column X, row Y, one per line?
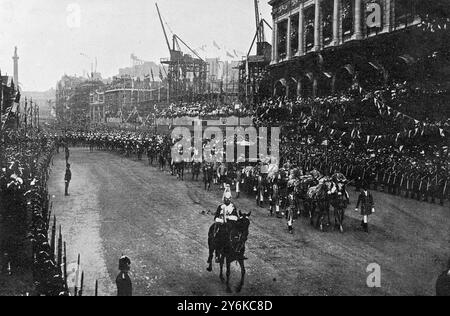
column 25, row 159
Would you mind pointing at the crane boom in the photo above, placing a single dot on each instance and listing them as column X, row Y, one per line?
column 257, row 21
column 164, row 29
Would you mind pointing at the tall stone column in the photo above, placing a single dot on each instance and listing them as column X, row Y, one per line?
column 301, row 31
column 275, row 43
column 387, row 13
column 315, row 91
column 317, row 27
column 299, row 87
column 358, row 19
column 336, row 12
column 288, row 40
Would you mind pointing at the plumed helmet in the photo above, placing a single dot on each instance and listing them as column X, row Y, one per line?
column 124, row 263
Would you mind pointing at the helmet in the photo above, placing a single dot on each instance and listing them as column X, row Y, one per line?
column 124, row 263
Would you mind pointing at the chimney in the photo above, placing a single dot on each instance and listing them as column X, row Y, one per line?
column 16, row 68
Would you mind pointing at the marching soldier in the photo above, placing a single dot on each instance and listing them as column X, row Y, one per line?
column 239, row 180
column 123, row 280
column 275, row 199
column 260, row 191
column 365, row 200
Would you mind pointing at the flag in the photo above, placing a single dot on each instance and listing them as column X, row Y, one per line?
column 441, row 132
column 350, row 69
column 229, row 55
column 153, row 77
column 161, row 74
column 217, row 45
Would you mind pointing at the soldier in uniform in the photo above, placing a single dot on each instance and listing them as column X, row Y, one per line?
column 260, row 190
column 365, row 200
column 67, row 152
column 239, row 181
column 443, row 282
column 123, row 281
column 275, row 199
column 67, row 179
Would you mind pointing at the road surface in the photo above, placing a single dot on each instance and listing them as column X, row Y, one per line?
column 122, row 206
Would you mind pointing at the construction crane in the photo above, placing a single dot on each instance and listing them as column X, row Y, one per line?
column 186, row 73
column 164, row 29
column 254, row 68
column 259, row 26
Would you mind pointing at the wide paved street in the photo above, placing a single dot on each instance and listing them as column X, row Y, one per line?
column 122, row 206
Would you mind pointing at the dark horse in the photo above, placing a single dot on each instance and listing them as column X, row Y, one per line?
column 228, row 242
column 178, row 168
column 319, row 199
column 339, row 201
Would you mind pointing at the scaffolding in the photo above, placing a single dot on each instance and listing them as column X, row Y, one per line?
column 187, row 74
column 253, row 70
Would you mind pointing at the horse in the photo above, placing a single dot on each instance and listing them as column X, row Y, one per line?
column 196, row 166
column 207, row 176
column 319, row 199
column 229, row 245
column 162, row 162
column 339, row 201
column 178, row 167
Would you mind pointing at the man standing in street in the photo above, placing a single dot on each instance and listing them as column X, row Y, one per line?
column 443, row 283
column 123, row 281
column 67, row 151
column 365, row 200
column 67, row 179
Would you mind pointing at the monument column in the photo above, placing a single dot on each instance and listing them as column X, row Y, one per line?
column 16, row 68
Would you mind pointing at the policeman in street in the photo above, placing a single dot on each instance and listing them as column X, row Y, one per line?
column 67, row 179
column 123, row 281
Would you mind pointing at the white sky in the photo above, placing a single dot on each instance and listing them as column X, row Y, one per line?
column 111, row 30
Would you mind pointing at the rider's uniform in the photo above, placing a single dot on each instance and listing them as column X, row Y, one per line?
column 225, row 214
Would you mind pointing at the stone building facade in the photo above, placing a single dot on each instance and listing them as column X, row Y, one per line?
column 324, row 46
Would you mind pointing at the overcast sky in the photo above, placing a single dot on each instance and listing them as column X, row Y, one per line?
column 50, row 42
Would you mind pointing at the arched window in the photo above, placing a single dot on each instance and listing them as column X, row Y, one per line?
column 282, row 39
column 404, row 13
column 348, row 14
column 309, row 27
column 327, row 20
column 294, row 34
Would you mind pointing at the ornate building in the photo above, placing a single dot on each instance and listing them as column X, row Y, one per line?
column 322, row 47
column 73, row 99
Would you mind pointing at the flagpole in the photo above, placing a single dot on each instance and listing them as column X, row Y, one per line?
column 2, row 153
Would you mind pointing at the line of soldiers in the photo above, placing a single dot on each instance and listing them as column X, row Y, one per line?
column 424, row 182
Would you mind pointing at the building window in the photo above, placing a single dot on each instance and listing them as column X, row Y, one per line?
column 294, row 34
column 282, row 39
column 327, row 19
column 309, row 27
column 348, row 14
column 404, row 13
